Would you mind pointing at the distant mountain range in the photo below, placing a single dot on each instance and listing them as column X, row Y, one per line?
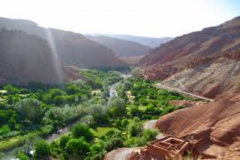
column 146, row 41
column 72, row 49
column 205, row 62
column 122, row 48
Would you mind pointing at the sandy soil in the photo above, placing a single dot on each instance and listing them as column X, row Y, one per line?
column 119, row 154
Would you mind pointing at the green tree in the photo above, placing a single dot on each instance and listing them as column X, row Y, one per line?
column 22, row 156
column 134, row 129
column 42, row 150
column 96, row 147
column 63, row 141
column 116, row 107
column 134, row 111
column 12, row 122
column 29, row 109
column 126, row 85
column 113, row 144
column 149, row 134
column 99, row 113
column 11, row 89
column 77, row 146
column 81, row 130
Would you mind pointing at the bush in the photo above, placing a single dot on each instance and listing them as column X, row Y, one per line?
column 168, row 110
column 22, row 156
column 81, row 130
column 46, row 130
column 135, row 141
column 77, row 146
column 149, row 134
column 134, row 129
column 113, row 144
column 42, row 149
column 96, row 148
column 134, row 111
column 11, row 134
column 29, row 109
column 63, row 141
column 116, row 107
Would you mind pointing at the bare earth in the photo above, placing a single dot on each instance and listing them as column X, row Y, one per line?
column 119, row 154
column 217, row 123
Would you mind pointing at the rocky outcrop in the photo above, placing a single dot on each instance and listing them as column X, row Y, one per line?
column 217, row 123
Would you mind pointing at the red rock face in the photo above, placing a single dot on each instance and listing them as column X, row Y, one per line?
column 196, row 50
column 217, row 123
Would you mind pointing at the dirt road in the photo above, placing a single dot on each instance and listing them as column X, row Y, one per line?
column 123, row 153
column 151, row 125
column 119, row 154
column 159, row 85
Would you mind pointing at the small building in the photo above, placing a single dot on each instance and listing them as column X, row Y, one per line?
column 170, row 147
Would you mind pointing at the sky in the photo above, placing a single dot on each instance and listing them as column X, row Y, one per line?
column 150, row 18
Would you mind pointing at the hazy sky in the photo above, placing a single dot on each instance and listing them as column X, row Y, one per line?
column 156, row 18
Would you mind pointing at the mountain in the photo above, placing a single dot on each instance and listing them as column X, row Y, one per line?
column 28, row 58
column 215, row 124
column 205, row 62
column 23, row 25
column 72, row 48
column 122, row 48
column 76, row 50
column 146, row 41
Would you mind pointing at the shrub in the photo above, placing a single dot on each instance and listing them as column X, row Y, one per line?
column 29, row 108
column 63, row 141
column 81, row 130
column 149, row 134
column 22, row 156
column 134, row 111
column 42, row 149
column 116, row 107
column 113, row 144
column 134, row 129
column 77, row 146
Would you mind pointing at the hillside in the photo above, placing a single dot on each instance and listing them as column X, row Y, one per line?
column 27, row 58
column 215, row 123
column 146, row 41
column 192, row 62
column 23, row 25
column 72, row 48
column 122, row 48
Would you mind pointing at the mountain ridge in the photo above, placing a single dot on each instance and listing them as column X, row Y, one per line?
column 122, row 48
column 147, row 41
column 82, row 46
column 189, row 55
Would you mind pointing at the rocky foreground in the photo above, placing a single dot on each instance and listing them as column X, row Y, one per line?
column 216, row 123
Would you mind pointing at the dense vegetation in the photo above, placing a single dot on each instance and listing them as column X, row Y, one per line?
column 101, row 124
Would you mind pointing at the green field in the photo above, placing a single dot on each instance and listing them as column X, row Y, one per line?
column 101, row 131
column 11, row 143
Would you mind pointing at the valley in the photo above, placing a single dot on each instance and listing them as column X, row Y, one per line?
column 67, row 95
column 111, row 121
